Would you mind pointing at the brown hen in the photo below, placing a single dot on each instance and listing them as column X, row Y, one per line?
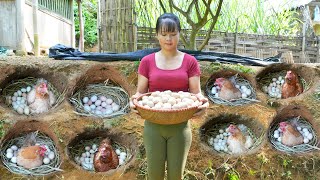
column 105, row 158
column 227, row 89
column 31, row 155
column 237, row 141
column 290, row 135
column 292, row 86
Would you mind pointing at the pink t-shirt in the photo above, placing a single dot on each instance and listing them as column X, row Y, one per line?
column 174, row 80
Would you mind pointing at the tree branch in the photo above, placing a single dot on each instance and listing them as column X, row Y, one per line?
column 214, row 21
column 185, row 14
column 162, row 6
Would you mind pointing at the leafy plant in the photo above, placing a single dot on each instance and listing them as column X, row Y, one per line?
column 2, row 131
column 89, row 12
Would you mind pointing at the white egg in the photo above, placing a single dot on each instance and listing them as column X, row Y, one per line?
column 87, row 148
column 299, row 128
column 84, row 155
column 123, row 155
column 85, row 100
column 282, row 81
column 278, row 82
column 216, row 95
column 225, row 134
column 86, row 160
column 51, row 155
column 276, row 135
column 310, row 136
column 92, row 107
column 279, row 139
column 91, row 151
column 82, row 159
column 109, row 111
column 97, row 103
column 87, row 107
column 121, row 161
column 26, row 110
column 215, row 140
column 104, row 104
column 243, row 87
column 87, row 154
column 244, row 95
column 20, row 110
column 28, row 89
column 19, row 93
column 237, row 86
column 118, row 151
column 14, row 147
column 94, row 146
column 46, row 160
column 92, row 155
column 9, row 150
column 305, row 130
column 97, row 112
column 110, row 101
column 274, row 79
column 276, row 132
column 14, row 160
column 217, row 148
column 248, row 92
column 305, row 140
column 221, row 130
column 213, row 90
column 94, row 98
column 9, row 155
column 102, row 98
column 91, row 160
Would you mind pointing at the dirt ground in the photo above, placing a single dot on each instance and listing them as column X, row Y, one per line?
column 264, row 162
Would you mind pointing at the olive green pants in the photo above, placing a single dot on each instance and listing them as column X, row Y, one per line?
column 166, row 143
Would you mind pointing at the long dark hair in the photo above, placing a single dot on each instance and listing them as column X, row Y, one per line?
column 168, row 22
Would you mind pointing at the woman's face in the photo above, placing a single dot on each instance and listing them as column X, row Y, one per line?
column 168, row 40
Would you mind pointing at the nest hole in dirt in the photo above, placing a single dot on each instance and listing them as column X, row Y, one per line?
column 241, row 79
column 101, row 80
column 120, row 141
column 45, row 137
column 307, row 77
column 21, row 77
column 301, row 117
column 210, row 130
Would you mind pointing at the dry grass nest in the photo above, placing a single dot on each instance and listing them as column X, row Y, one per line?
column 317, row 94
column 117, row 94
column 30, row 81
column 214, row 131
column 237, row 102
column 79, row 148
column 42, row 170
column 305, row 147
column 267, row 79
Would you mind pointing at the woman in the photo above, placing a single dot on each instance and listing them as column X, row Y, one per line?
column 168, row 69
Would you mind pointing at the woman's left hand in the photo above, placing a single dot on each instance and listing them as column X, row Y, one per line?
column 202, row 108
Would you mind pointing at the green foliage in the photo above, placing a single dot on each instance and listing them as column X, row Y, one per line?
column 2, row 131
column 89, row 13
column 213, row 67
column 252, row 16
column 233, row 175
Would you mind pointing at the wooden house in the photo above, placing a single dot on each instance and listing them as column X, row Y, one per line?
column 55, row 24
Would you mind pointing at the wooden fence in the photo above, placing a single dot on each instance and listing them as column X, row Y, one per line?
column 117, row 30
column 301, row 50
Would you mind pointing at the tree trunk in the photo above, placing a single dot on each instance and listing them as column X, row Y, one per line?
column 36, row 46
column 81, row 28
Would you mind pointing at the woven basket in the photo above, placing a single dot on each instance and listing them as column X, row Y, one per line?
column 166, row 117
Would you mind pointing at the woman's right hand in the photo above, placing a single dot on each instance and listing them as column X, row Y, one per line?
column 132, row 106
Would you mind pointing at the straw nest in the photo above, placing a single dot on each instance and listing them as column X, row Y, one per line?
column 77, row 149
column 42, row 170
column 214, row 131
column 30, row 81
column 117, row 94
column 267, row 79
column 305, row 147
column 237, row 102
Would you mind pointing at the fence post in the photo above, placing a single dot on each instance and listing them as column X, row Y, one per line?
column 303, row 41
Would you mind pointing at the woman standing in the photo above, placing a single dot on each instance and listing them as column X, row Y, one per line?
column 168, row 69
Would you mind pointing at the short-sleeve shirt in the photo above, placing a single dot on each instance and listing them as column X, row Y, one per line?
column 174, row 80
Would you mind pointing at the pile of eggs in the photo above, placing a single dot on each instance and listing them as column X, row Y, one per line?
column 245, row 90
column 87, row 157
column 275, row 87
column 307, row 135
column 167, row 100
column 19, row 100
column 219, row 143
column 100, row 105
column 11, row 154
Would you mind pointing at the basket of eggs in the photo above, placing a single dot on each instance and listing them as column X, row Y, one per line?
column 167, row 107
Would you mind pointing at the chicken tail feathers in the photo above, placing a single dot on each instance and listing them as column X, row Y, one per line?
column 30, row 139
